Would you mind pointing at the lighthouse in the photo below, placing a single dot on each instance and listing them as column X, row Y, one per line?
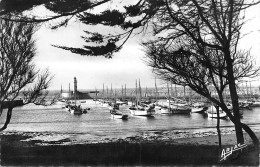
column 75, row 89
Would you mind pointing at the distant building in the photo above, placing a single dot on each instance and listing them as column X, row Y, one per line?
column 83, row 95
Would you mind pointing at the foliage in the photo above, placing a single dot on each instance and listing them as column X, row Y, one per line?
column 18, row 75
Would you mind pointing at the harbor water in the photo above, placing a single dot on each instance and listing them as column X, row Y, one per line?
column 97, row 123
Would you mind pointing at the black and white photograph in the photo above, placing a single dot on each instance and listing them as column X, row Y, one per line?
column 129, row 83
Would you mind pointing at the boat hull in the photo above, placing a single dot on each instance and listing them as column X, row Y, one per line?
column 74, row 109
column 165, row 111
column 119, row 116
column 198, row 109
column 181, row 111
column 142, row 112
column 175, row 111
column 214, row 115
column 76, row 112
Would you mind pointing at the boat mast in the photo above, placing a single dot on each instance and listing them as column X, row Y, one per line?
column 75, row 89
column 155, row 90
column 136, row 91
column 122, row 92
column 107, row 92
column 96, row 94
column 115, row 95
column 146, row 94
column 103, row 92
column 184, row 93
column 176, row 91
column 111, row 92
column 250, row 93
column 171, row 90
column 140, row 89
column 125, row 90
column 168, row 97
column 246, row 91
column 69, row 91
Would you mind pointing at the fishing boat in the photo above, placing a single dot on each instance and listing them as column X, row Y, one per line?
column 253, row 103
column 212, row 112
column 142, row 110
column 177, row 106
column 74, row 109
column 198, row 107
column 165, row 110
column 175, row 109
column 113, row 105
column 116, row 113
column 120, row 102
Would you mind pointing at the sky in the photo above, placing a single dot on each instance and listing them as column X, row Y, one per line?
column 92, row 72
column 125, row 67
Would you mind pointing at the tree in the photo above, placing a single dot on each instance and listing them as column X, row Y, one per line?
column 18, row 76
column 198, row 48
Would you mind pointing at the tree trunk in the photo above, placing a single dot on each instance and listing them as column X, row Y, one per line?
column 218, row 128
column 234, row 97
column 8, row 118
column 251, row 134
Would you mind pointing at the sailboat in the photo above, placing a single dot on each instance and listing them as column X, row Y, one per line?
column 212, row 112
column 157, row 106
column 122, row 101
column 139, row 109
column 116, row 113
column 114, row 110
column 175, row 106
column 198, row 107
column 178, row 108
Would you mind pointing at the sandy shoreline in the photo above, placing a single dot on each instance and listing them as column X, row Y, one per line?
column 206, row 136
column 174, row 147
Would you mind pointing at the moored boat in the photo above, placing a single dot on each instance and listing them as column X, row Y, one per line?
column 74, row 109
column 112, row 105
column 198, row 108
column 120, row 102
column 175, row 109
column 116, row 114
column 140, row 110
column 165, row 110
column 74, row 106
column 212, row 112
